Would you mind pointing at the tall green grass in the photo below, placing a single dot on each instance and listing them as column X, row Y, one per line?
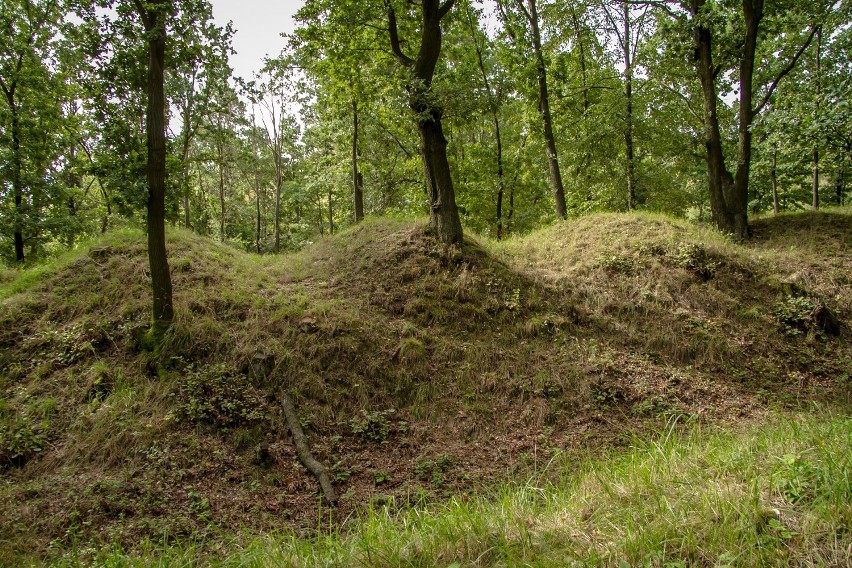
column 777, row 494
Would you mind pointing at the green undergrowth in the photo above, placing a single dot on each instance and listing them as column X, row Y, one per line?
column 777, row 494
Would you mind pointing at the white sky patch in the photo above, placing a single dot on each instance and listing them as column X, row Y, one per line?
column 259, row 25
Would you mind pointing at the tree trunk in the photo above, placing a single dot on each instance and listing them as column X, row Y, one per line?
column 220, row 151
column 628, row 111
column 161, row 283
column 443, row 212
column 727, row 208
column 773, row 175
column 494, row 107
column 257, row 202
column 544, row 111
column 357, row 179
column 815, row 185
column 278, row 183
column 16, row 181
column 330, row 211
column 500, row 178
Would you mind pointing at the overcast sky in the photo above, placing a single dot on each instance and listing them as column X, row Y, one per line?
column 259, row 24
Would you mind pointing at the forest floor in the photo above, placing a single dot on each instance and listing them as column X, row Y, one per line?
column 420, row 374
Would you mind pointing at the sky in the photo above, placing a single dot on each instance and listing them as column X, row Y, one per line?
column 258, row 25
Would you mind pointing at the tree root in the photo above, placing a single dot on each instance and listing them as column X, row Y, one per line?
column 304, row 453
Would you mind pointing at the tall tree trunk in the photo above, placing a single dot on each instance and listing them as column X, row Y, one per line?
column 628, row 111
column 161, row 283
column 278, row 183
column 257, row 202
column 17, row 184
column 544, row 111
column 815, row 185
column 330, row 211
column 773, row 175
column 724, row 203
column 357, row 179
column 495, row 118
column 221, row 153
column 501, row 184
column 443, row 212
column 729, row 194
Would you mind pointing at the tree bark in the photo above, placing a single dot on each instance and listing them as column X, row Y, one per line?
column 257, row 203
column 357, row 179
column 161, row 283
column 443, row 212
column 17, row 188
column 495, row 118
column 815, row 185
column 628, row 111
column 444, row 216
column 330, row 211
column 278, row 183
column 221, row 152
column 773, row 175
column 544, row 112
column 729, row 193
column 728, row 207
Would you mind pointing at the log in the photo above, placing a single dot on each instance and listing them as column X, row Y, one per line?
column 302, row 450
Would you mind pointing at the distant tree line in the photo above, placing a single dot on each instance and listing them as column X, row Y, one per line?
column 497, row 116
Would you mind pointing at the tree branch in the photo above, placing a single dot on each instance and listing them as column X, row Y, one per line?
column 448, row 5
column 143, row 13
column 524, row 10
column 394, row 37
column 661, row 4
column 786, row 70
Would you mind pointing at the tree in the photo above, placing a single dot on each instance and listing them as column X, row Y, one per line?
column 443, row 211
column 27, row 27
column 153, row 16
column 706, row 20
column 200, row 67
column 627, row 27
column 530, row 15
column 271, row 99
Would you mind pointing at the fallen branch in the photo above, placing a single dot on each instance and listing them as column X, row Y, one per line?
column 304, row 453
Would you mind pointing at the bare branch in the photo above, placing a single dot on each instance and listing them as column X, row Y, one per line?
column 685, row 99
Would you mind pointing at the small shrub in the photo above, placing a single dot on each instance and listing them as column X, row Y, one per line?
column 372, row 425
column 794, row 314
column 617, row 264
column 695, row 258
column 381, row 477
column 434, row 470
column 219, row 397
column 605, row 392
column 19, row 442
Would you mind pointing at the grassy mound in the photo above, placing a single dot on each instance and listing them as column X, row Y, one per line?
column 419, row 372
